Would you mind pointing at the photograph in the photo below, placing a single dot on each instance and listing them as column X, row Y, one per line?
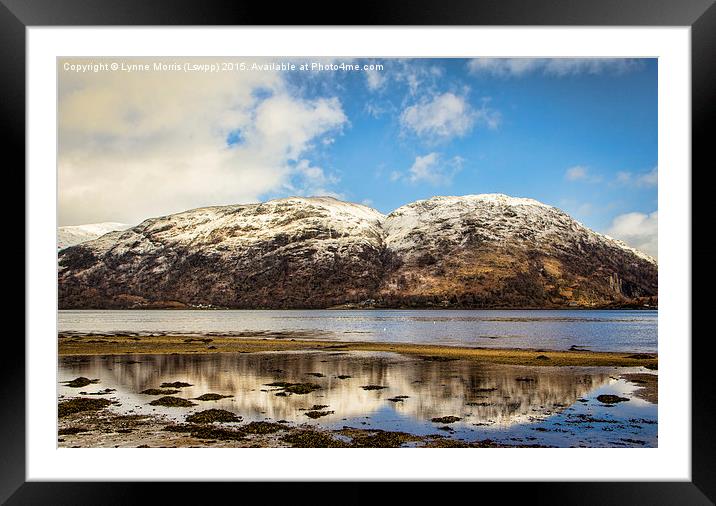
column 372, row 252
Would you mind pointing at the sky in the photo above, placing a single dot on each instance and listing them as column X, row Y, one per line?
column 578, row 134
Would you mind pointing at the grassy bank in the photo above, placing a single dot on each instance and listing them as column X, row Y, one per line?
column 119, row 345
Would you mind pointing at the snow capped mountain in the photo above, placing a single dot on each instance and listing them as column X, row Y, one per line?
column 295, row 252
column 472, row 251
column 71, row 235
column 494, row 250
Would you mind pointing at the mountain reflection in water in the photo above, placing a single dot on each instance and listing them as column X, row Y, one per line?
column 496, row 401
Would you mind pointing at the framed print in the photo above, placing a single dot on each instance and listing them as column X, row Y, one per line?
column 359, row 248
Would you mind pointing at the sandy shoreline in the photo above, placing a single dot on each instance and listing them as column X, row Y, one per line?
column 106, row 429
column 70, row 344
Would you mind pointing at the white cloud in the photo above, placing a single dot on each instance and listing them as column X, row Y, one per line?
column 378, row 109
column 581, row 173
column 623, row 177
column 557, row 67
column 419, row 79
column 311, row 180
column 642, row 180
column 445, row 116
column 577, row 173
column 375, row 79
column 136, row 145
column 432, row 169
column 503, row 67
column 638, row 230
column 489, row 117
column 650, row 178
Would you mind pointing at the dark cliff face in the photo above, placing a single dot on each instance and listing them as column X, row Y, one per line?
column 457, row 252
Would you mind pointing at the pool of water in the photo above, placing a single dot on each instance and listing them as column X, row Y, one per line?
column 552, row 406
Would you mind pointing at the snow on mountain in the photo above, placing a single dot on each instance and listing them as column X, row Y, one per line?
column 71, row 235
column 496, row 218
column 495, row 250
column 294, row 252
column 473, row 251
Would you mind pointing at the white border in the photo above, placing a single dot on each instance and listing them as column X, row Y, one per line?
column 670, row 461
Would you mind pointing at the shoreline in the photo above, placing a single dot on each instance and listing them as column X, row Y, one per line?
column 110, row 344
column 106, row 429
column 359, row 307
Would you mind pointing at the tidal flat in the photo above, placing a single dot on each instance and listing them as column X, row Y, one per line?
column 122, row 344
column 291, row 392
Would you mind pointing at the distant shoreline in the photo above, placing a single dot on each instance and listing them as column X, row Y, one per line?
column 372, row 308
column 98, row 344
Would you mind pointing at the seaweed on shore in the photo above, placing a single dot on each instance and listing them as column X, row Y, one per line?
column 175, row 384
column 312, row 439
column 437, row 358
column 212, row 415
column 182, row 427
column 159, row 391
column 106, row 391
column 211, row 397
column 210, row 432
column 81, row 382
column 68, row 431
column 446, row 419
column 295, row 388
column 315, row 407
column 445, row 442
column 373, row 387
column 611, row 399
column 302, row 388
column 382, row 439
column 172, row 402
column 262, row 428
column 317, row 414
column 79, row 404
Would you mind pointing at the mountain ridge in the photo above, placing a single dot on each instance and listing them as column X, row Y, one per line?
column 488, row 250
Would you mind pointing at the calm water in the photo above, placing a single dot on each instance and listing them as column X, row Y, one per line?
column 623, row 330
column 553, row 406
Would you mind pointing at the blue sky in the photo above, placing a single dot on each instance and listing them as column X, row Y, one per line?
column 603, row 122
column 577, row 134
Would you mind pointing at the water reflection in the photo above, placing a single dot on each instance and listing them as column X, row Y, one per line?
column 507, row 402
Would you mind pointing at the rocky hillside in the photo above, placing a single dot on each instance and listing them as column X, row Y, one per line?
column 500, row 251
column 463, row 252
column 295, row 252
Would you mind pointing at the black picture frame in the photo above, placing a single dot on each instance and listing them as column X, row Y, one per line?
column 17, row 15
